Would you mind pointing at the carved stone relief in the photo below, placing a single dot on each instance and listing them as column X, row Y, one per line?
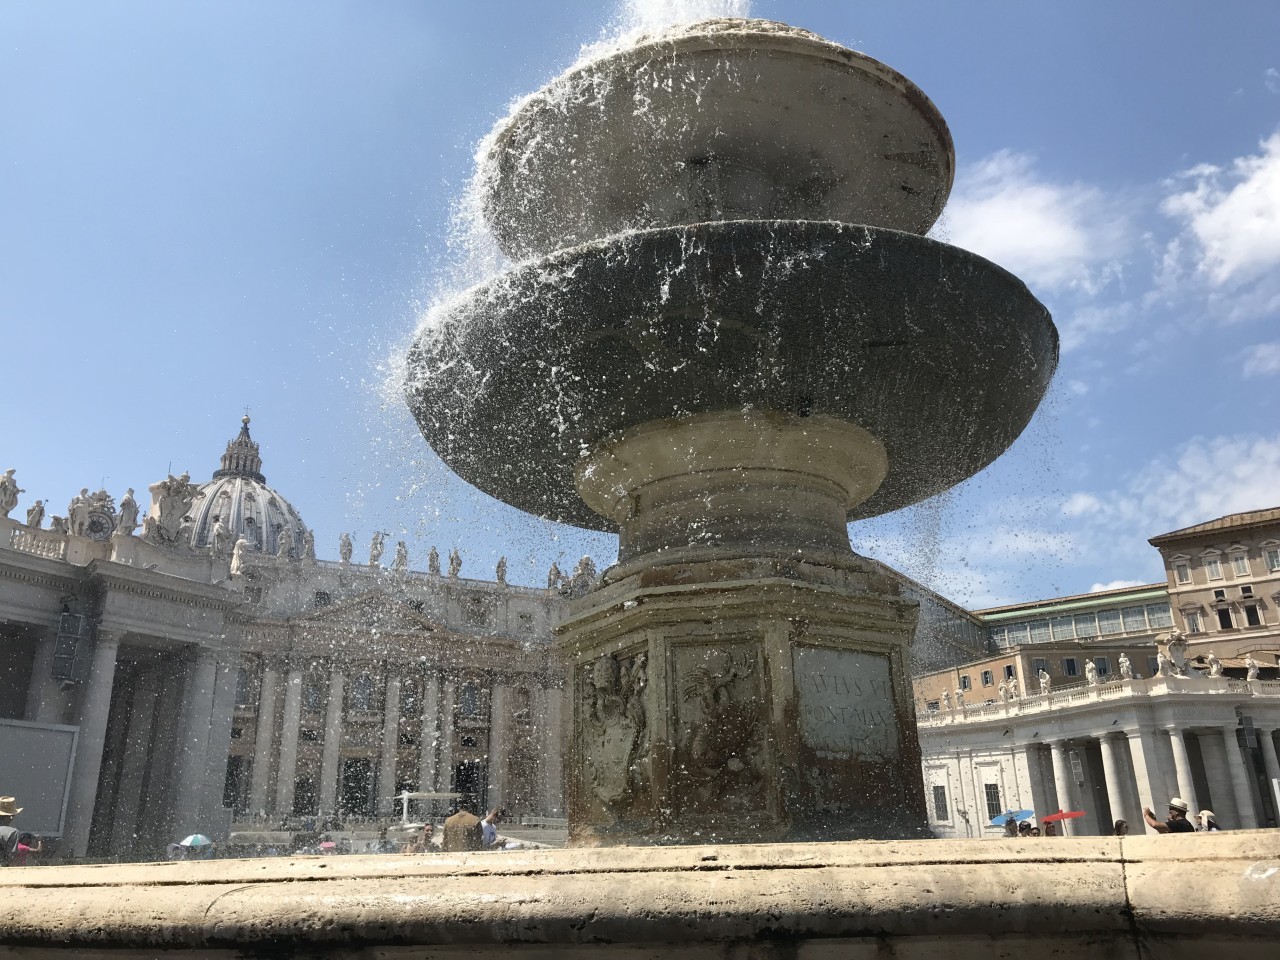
column 720, row 736
column 615, row 763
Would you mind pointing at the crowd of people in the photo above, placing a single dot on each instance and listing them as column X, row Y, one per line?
column 1206, row 821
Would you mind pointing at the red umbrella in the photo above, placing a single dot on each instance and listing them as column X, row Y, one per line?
column 1061, row 815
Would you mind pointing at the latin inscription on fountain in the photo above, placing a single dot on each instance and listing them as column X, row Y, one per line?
column 845, row 702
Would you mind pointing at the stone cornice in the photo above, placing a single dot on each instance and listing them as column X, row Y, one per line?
column 161, row 586
column 29, row 568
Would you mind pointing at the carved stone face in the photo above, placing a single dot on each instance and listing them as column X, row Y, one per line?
column 604, row 673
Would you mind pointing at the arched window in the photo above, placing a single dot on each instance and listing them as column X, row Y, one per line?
column 469, row 700
column 362, row 691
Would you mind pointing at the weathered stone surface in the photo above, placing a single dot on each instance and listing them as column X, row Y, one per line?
column 719, row 120
column 938, row 354
column 1084, row 897
column 691, row 683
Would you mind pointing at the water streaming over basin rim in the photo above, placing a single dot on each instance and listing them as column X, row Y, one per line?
column 718, row 120
column 939, row 353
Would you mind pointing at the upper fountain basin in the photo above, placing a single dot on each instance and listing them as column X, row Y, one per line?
column 719, row 120
column 938, row 354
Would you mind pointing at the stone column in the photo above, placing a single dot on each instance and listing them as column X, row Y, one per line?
column 287, row 772
column 1111, row 767
column 260, row 776
column 1062, row 780
column 216, row 755
column 390, row 747
column 1152, row 789
column 444, row 776
column 193, row 742
column 1182, row 768
column 38, row 688
column 430, row 732
column 1270, row 759
column 553, row 756
column 332, row 743
column 134, row 768
column 499, row 743
column 95, row 709
column 1239, row 780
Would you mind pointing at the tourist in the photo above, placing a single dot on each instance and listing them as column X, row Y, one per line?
column 1035, row 831
column 1051, row 829
column 1011, row 827
column 1207, row 821
column 27, row 845
column 1024, row 829
column 489, row 826
column 1177, row 822
column 463, row 831
column 8, row 835
column 1120, row 828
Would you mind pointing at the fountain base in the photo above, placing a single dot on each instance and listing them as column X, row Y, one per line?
column 742, row 699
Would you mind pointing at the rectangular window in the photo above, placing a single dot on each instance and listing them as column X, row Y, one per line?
column 322, row 598
column 1103, row 665
column 1251, row 615
column 526, row 623
column 1009, row 672
column 1193, row 622
column 997, row 636
column 1273, row 559
column 253, row 594
column 1153, row 666
column 931, row 706
column 1224, row 619
column 1214, row 568
column 1086, row 625
column 988, row 678
column 1016, row 633
column 1063, row 628
column 966, row 683
column 1246, row 591
column 940, row 804
column 1240, row 565
column 1159, row 615
column 1135, row 619
column 1070, row 666
column 1182, row 572
column 992, row 792
column 1040, row 631
column 1038, row 664
column 1109, row 622
column 1220, row 594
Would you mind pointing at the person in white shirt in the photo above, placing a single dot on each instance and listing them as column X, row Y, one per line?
column 489, row 826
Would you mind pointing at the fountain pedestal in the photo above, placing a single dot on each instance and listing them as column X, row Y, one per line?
column 740, row 700
column 742, row 676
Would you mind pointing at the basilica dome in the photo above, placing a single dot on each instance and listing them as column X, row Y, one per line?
column 239, row 495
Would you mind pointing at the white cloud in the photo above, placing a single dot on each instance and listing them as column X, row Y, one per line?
column 1262, row 358
column 1055, row 236
column 1081, row 504
column 1271, row 79
column 1232, row 214
column 1115, row 585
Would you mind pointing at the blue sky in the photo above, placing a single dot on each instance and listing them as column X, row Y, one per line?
column 208, row 205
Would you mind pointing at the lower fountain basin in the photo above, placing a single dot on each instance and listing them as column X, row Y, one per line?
column 938, row 354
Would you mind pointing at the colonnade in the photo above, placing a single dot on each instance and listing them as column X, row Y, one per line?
column 276, row 734
column 1147, row 765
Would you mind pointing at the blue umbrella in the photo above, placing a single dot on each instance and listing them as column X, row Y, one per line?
column 196, row 840
column 1008, row 815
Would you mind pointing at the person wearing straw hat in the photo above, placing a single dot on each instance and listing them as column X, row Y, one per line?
column 1177, row 822
column 8, row 835
column 1207, row 820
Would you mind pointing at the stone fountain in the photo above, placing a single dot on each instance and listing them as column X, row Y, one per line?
column 725, row 338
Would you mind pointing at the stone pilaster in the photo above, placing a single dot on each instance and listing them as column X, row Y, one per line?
column 430, row 744
column 1267, row 740
column 287, row 774
column 390, row 747
column 263, row 740
column 1152, row 789
column 448, row 701
column 215, row 773
column 332, row 744
column 499, row 743
column 138, row 740
column 95, row 709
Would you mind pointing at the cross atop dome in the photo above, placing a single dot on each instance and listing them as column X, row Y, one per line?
column 242, row 458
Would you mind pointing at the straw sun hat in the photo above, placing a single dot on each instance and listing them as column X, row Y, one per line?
column 9, row 807
column 1177, row 803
